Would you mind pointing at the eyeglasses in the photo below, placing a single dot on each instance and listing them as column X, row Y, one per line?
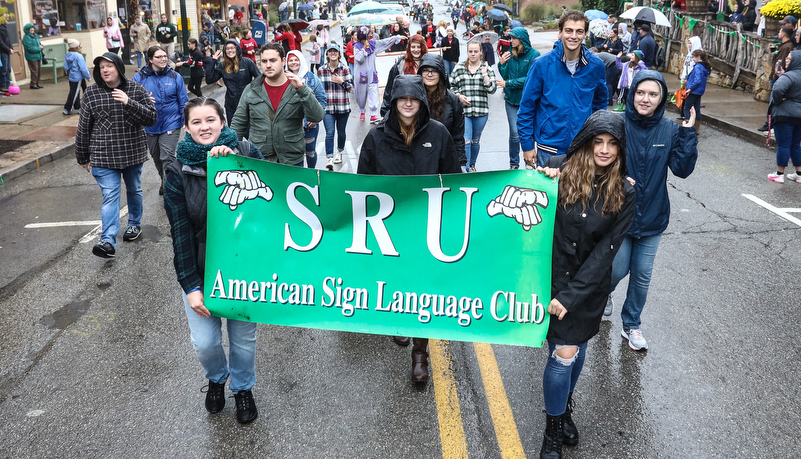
column 429, row 72
column 163, row 56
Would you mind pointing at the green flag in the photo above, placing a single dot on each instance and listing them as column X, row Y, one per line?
column 459, row 257
column 692, row 22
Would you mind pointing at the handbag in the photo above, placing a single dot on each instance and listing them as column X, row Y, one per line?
column 44, row 60
column 680, row 95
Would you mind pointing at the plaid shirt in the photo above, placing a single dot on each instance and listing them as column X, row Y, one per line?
column 338, row 100
column 474, row 88
column 112, row 135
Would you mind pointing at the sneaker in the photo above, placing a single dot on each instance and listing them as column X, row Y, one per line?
column 338, row 157
column 794, row 176
column 361, row 117
column 778, row 178
column 329, row 164
column 764, row 128
column 131, row 233
column 374, row 119
column 636, row 340
column 245, row 407
column 104, row 249
column 66, row 112
column 215, row 397
column 620, row 108
column 514, row 168
column 610, row 305
column 472, row 168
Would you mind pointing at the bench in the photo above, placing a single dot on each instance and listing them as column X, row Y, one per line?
column 55, row 54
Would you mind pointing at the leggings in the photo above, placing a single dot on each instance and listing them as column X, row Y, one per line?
column 195, row 84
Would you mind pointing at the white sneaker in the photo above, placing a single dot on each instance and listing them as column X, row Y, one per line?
column 794, row 176
column 610, row 306
column 329, row 164
column 778, row 178
column 338, row 157
column 636, row 340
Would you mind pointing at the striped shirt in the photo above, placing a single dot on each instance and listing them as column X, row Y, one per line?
column 472, row 86
column 338, row 100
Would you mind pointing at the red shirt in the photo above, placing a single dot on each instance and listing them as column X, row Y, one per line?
column 275, row 93
column 349, row 51
column 249, row 48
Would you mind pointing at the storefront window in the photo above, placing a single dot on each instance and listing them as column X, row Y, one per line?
column 11, row 21
column 45, row 18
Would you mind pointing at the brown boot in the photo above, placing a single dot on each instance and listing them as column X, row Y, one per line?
column 697, row 127
column 402, row 341
column 420, row 360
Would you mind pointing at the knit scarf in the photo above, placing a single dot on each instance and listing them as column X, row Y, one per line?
column 192, row 154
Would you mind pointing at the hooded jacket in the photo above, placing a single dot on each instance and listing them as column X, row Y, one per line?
column 785, row 99
column 585, row 243
column 167, row 87
column 75, row 66
column 310, row 79
column 555, row 103
column 654, row 144
column 110, row 133
column 515, row 70
column 696, row 81
column 31, row 43
column 453, row 111
column 235, row 83
column 384, row 151
column 695, row 43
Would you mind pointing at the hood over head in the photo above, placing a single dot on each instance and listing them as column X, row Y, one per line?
column 695, row 43
column 522, row 34
column 114, row 59
column 409, row 85
column 304, row 67
column 238, row 48
column 27, row 27
column 436, row 61
column 795, row 61
column 622, row 29
column 631, row 111
column 602, row 122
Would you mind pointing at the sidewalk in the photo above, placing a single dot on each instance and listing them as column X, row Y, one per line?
column 34, row 118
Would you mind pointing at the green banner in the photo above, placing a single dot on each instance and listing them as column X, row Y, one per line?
column 462, row 257
column 692, row 23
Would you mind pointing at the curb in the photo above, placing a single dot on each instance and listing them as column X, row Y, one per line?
column 31, row 164
column 754, row 137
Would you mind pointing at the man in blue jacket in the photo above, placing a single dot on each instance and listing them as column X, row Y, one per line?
column 647, row 45
column 563, row 88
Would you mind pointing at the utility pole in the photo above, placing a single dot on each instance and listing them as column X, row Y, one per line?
column 184, row 27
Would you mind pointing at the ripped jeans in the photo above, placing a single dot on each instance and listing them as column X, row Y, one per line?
column 560, row 377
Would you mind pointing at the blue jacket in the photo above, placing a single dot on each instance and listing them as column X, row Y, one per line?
column 647, row 45
column 556, row 104
column 75, row 67
column 653, row 145
column 167, row 87
column 696, row 80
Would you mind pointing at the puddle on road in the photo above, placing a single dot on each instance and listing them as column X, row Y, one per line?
column 65, row 316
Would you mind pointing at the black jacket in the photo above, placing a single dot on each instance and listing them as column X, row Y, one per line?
column 453, row 113
column 585, row 242
column 235, row 83
column 5, row 41
column 432, row 152
column 452, row 54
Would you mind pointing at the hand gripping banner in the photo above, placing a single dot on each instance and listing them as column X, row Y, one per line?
column 462, row 257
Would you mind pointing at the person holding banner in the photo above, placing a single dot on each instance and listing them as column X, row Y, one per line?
column 594, row 210
column 408, row 142
column 185, row 204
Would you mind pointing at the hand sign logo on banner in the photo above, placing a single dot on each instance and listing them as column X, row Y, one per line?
column 241, row 186
column 520, row 204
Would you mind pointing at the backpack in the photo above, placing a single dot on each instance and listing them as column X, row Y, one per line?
column 659, row 59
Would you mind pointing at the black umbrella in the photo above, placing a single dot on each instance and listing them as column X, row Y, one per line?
column 297, row 24
column 501, row 6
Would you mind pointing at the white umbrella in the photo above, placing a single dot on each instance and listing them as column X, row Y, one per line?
column 479, row 38
column 644, row 13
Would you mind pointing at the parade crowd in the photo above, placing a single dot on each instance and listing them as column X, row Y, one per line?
column 612, row 204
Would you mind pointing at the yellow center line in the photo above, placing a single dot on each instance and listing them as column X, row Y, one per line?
column 451, row 431
column 502, row 418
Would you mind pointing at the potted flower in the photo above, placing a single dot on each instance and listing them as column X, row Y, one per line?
column 777, row 10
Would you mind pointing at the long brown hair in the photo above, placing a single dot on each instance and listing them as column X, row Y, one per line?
column 410, row 67
column 436, row 98
column 408, row 131
column 577, row 180
column 231, row 65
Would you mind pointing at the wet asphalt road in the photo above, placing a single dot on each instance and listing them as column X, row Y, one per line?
column 95, row 359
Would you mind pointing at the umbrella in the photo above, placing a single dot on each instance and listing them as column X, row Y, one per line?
column 595, row 14
column 297, row 24
column 646, row 14
column 369, row 7
column 501, row 6
column 316, row 22
column 600, row 27
column 479, row 38
column 496, row 15
column 306, row 7
column 516, row 24
column 368, row 19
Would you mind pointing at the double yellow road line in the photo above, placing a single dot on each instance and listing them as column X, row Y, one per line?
column 451, row 430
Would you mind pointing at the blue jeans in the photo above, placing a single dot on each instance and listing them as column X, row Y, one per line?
column 693, row 100
column 560, row 378
column 139, row 56
column 338, row 121
column 110, row 186
column 5, row 70
column 311, row 145
column 473, row 127
column 788, row 144
column 514, row 140
column 636, row 258
column 449, row 66
column 206, row 336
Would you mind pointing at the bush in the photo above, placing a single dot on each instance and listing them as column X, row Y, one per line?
column 533, row 12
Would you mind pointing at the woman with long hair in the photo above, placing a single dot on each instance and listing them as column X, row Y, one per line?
column 416, row 48
column 401, row 45
column 113, row 36
column 235, row 71
column 409, row 142
column 185, row 204
column 443, row 105
column 473, row 81
column 594, row 209
column 365, row 74
column 195, row 62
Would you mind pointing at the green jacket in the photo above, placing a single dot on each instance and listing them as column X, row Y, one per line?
column 515, row 70
column 279, row 134
column 31, row 44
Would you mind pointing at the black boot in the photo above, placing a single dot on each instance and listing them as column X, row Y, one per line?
column 552, row 439
column 420, row 360
column 570, row 432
